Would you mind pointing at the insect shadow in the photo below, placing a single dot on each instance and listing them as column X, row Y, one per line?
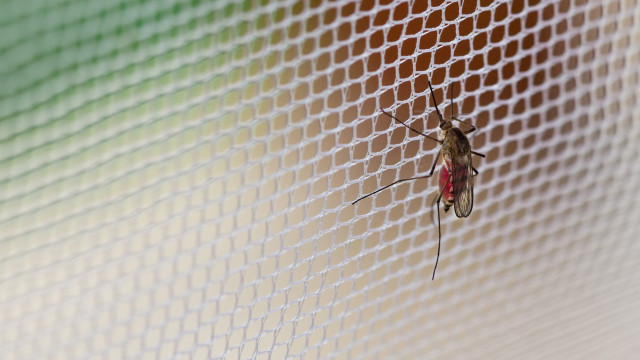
column 457, row 172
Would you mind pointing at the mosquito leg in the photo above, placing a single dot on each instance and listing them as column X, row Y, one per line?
column 409, row 127
column 475, row 171
column 435, row 161
column 468, row 131
column 390, row 185
column 433, row 167
column 477, row 153
column 439, row 233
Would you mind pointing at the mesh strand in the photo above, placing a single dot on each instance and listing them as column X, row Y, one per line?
column 176, row 180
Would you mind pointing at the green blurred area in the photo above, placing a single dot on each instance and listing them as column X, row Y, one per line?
column 69, row 67
column 95, row 91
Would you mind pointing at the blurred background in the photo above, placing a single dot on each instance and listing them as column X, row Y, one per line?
column 176, row 180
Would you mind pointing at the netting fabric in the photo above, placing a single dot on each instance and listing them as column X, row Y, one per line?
column 177, row 177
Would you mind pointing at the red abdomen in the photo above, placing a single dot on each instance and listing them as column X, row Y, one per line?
column 447, row 191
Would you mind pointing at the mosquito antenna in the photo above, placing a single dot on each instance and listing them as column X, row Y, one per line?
column 434, row 101
column 410, row 128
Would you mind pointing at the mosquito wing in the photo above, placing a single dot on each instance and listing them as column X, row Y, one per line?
column 462, row 179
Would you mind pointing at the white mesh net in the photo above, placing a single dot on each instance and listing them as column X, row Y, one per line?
column 177, row 177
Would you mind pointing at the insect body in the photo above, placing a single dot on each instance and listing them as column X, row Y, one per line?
column 456, row 184
column 456, row 179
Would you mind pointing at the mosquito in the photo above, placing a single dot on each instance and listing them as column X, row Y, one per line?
column 455, row 182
